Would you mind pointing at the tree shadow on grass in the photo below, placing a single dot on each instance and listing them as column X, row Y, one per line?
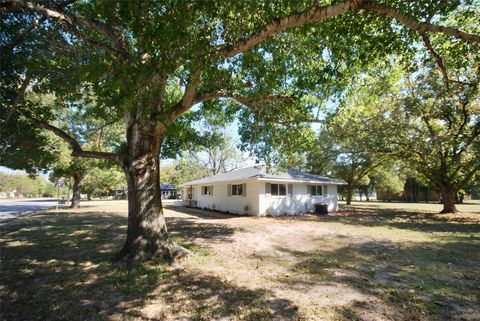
column 414, row 281
column 403, row 219
column 57, row 266
column 89, row 236
column 210, row 298
column 191, row 230
column 202, row 213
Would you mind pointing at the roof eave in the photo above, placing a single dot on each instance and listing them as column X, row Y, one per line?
column 292, row 180
column 194, row 183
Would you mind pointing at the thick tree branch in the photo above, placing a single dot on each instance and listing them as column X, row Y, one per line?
column 94, row 43
column 295, row 20
column 426, row 121
column 188, row 98
column 464, row 83
column 412, row 23
column 325, row 12
column 253, row 103
column 241, row 99
column 101, row 128
column 70, row 22
column 17, row 39
column 465, row 120
column 20, row 96
column 435, row 10
column 247, row 102
column 470, row 139
column 437, row 57
column 470, row 175
column 74, row 144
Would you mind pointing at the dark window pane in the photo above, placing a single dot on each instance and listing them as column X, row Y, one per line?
column 234, row 190
column 319, row 190
column 239, row 189
column 283, row 189
column 313, row 190
column 274, row 189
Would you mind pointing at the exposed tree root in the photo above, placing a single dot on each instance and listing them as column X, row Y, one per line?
column 449, row 211
column 134, row 255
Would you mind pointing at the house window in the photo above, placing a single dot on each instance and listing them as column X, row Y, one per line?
column 237, row 189
column 207, row 190
column 316, row 190
column 279, row 189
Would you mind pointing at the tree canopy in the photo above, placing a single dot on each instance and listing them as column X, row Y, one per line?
column 441, row 130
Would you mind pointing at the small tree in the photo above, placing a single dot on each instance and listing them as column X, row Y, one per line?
column 389, row 178
column 103, row 177
column 218, row 152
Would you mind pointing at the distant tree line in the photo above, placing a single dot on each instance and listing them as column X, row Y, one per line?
column 26, row 185
column 396, row 130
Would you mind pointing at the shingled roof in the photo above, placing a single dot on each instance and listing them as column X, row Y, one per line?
column 259, row 172
column 166, row 186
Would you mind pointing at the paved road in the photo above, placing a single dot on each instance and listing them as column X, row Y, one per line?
column 11, row 209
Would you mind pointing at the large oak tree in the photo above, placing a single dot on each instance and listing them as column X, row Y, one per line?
column 440, row 130
column 149, row 62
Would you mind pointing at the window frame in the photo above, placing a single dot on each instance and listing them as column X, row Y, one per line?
column 238, row 188
column 278, row 189
column 207, row 190
column 317, row 187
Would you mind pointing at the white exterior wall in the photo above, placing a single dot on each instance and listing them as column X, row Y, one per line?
column 261, row 204
column 236, row 204
column 299, row 202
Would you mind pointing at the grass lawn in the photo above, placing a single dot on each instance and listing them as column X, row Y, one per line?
column 370, row 261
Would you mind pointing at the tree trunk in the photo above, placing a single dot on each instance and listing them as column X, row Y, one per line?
column 460, row 197
column 147, row 235
column 448, row 199
column 349, row 194
column 68, row 190
column 77, row 188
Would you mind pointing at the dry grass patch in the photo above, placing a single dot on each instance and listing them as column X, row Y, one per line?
column 364, row 263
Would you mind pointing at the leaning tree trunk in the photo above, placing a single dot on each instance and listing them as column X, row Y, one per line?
column 449, row 196
column 77, row 188
column 147, row 235
column 349, row 193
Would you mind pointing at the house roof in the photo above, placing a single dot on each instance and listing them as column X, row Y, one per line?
column 165, row 186
column 259, row 172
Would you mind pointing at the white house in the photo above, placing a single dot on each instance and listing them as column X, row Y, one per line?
column 253, row 191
